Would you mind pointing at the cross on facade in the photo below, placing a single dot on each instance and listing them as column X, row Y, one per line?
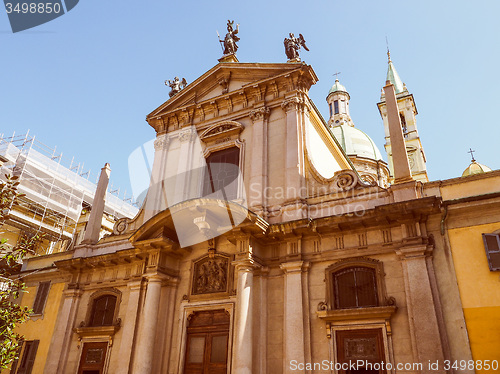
column 472, row 154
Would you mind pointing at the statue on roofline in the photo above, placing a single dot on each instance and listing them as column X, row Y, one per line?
column 230, row 39
column 292, row 46
column 176, row 85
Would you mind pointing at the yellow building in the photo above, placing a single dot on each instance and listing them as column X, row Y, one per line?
column 471, row 227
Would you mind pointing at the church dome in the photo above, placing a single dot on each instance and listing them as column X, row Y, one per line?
column 355, row 142
column 475, row 168
column 337, row 87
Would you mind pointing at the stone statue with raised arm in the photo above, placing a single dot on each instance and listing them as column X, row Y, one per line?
column 176, row 85
column 292, row 46
column 230, row 40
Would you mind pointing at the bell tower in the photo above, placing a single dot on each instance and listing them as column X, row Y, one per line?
column 338, row 102
column 407, row 113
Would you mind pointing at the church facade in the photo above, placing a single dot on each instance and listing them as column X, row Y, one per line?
column 270, row 241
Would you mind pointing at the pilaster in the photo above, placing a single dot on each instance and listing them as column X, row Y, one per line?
column 129, row 328
column 294, row 338
column 155, row 201
column 294, row 208
column 258, row 170
column 143, row 358
column 59, row 345
column 424, row 329
column 243, row 346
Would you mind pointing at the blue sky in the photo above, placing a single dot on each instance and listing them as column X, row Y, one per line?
column 86, row 81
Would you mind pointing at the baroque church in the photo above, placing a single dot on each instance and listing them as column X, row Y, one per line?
column 272, row 240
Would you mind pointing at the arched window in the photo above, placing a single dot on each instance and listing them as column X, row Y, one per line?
column 103, row 311
column 355, row 287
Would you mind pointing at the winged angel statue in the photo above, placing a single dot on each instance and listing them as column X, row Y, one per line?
column 292, row 46
column 176, row 85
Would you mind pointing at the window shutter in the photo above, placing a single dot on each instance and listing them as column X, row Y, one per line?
column 41, row 297
column 355, row 287
column 31, row 356
column 16, row 361
column 103, row 311
column 28, row 359
column 492, row 246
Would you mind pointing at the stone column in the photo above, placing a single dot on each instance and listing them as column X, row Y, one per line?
column 60, row 342
column 243, row 330
column 294, row 159
column 128, row 331
column 424, row 329
column 293, row 334
column 155, row 200
column 187, row 168
column 258, row 170
column 144, row 353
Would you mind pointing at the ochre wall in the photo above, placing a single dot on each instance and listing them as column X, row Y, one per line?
column 479, row 290
column 41, row 327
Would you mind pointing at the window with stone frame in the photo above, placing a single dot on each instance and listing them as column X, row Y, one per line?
column 356, row 283
column 103, row 310
column 27, row 358
column 355, row 287
column 42, row 293
column 222, row 173
column 492, row 247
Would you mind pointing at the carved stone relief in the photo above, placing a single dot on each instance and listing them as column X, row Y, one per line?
column 210, row 275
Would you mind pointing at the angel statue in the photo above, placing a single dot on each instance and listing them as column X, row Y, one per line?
column 292, row 46
column 230, row 40
column 176, row 85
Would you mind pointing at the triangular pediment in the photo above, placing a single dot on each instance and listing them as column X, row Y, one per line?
column 226, row 78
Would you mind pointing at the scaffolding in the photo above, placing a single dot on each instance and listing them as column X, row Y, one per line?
column 54, row 190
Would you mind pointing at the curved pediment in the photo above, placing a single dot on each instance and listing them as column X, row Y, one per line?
column 221, row 130
column 192, row 222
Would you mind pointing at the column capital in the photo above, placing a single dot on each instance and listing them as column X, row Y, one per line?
column 157, row 278
column 161, row 142
column 134, row 285
column 291, row 103
column 295, row 266
column 72, row 292
column 414, row 252
column 259, row 114
column 246, row 264
column 188, row 134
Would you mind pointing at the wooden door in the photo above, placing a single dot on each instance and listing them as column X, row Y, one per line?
column 93, row 358
column 365, row 345
column 207, row 343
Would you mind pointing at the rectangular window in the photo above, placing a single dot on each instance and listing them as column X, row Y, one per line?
column 342, row 106
column 27, row 359
column 336, row 106
column 492, row 246
column 403, row 122
column 331, row 110
column 41, row 297
column 221, row 178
